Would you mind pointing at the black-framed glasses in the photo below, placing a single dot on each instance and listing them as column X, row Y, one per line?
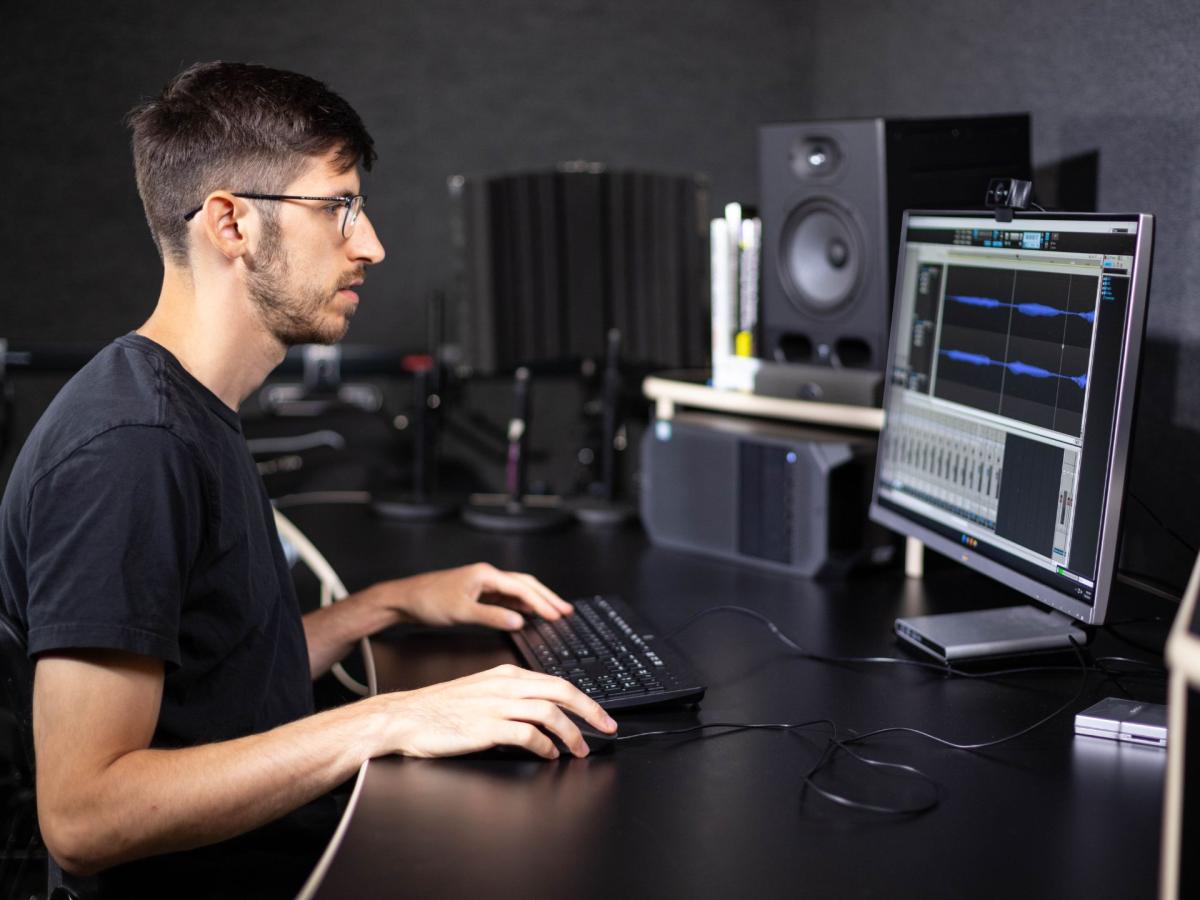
column 354, row 205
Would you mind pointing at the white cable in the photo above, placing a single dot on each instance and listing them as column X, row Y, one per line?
column 332, row 590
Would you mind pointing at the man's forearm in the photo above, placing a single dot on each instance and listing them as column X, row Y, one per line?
column 156, row 801
column 104, row 797
column 332, row 631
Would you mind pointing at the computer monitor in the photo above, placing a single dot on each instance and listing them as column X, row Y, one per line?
column 1008, row 410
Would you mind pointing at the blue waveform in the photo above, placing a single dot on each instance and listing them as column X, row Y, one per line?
column 1034, row 310
column 1016, row 367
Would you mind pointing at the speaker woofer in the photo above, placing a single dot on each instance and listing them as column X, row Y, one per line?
column 821, row 257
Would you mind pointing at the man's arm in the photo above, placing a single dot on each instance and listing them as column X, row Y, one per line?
column 448, row 597
column 105, row 797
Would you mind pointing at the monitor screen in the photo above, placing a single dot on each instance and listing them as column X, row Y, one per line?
column 1009, row 404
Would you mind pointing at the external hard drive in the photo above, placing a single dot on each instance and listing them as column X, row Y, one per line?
column 1131, row 721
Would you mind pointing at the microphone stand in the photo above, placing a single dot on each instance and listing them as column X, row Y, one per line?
column 513, row 512
column 601, row 507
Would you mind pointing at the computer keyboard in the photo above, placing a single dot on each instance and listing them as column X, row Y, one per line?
column 609, row 652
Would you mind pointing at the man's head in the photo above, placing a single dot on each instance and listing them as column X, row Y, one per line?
column 222, row 131
column 235, row 126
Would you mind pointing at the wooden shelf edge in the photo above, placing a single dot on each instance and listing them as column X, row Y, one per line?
column 702, row 396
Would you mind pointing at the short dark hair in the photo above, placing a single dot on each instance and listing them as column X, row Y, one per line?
column 234, row 126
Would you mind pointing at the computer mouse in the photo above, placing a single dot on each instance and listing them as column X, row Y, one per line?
column 597, row 741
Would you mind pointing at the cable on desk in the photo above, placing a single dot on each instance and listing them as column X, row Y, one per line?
column 940, row 668
column 842, row 744
column 982, row 745
column 833, row 743
column 1113, row 629
column 729, row 727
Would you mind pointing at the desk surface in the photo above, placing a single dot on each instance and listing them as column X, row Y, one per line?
column 1044, row 815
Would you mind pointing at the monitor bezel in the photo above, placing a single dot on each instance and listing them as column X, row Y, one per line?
column 1126, row 398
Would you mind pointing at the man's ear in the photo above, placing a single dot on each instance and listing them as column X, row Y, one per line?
column 226, row 221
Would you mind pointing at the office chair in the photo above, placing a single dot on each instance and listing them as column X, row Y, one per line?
column 20, row 806
column 332, row 590
column 16, row 695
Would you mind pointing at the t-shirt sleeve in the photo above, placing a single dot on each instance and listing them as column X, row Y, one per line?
column 112, row 533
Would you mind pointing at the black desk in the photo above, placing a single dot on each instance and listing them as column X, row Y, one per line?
column 1044, row 816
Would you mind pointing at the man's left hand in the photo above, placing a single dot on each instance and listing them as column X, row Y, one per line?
column 478, row 594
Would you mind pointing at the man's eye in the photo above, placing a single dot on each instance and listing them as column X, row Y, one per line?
column 333, row 208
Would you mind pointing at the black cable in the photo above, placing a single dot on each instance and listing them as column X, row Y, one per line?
column 836, row 744
column 941, row 668
column 827, row 756
column 981, row 745
column 843, row 745
column 1150, row 584
column 731, row 728
column 1137, row 645
column 1160, row 523
column 833, row 743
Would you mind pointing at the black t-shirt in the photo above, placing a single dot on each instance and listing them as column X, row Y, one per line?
column 135, row 519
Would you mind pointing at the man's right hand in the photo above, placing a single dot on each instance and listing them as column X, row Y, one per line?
column 506, row 705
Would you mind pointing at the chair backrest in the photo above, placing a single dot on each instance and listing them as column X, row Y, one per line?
column 16, row 690
column 16, row 695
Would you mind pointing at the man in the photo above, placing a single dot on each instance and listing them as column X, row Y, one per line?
column 172, row 702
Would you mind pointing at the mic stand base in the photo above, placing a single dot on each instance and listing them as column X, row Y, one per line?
column 594, row 511
column 514, row 517
column 407, row 506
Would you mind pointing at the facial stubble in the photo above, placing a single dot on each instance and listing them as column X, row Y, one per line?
column 292, row 315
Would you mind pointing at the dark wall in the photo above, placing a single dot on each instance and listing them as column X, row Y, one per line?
column 1106, row 76
column 469, row 87
column 444, row 87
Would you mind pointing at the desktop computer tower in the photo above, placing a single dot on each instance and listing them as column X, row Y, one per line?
column 778, row 497
column 831, row 197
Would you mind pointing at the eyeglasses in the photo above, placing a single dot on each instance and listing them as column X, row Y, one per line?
column 354, row 205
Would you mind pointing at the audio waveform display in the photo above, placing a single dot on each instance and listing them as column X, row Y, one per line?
column 1016, row 367
column 1025, row 309
column 1025, row 357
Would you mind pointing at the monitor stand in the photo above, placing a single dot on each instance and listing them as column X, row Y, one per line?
column 990, row 632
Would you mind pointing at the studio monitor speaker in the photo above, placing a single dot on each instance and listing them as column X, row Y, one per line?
column 831, row 197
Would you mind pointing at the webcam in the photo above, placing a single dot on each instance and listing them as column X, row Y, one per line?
column 1006, row 194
